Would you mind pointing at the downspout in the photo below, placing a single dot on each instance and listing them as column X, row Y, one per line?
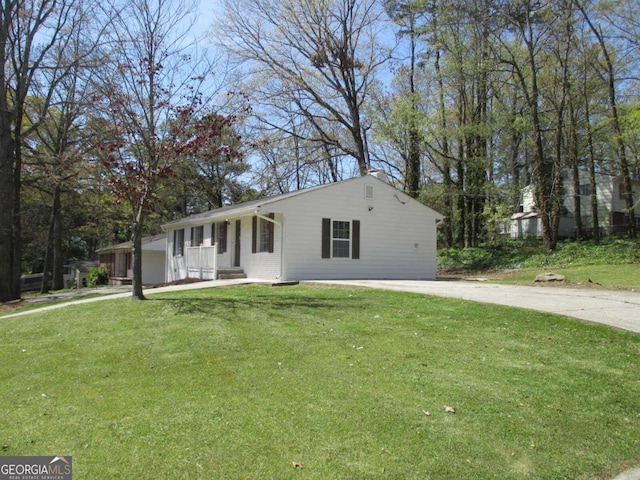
column 166, row 257
column 279, row 224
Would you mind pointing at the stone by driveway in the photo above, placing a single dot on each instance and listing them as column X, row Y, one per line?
column 615, row 308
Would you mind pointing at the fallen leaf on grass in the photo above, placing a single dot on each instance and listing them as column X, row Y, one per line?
column 449, row 409
column 426, row 413
column 296, row 464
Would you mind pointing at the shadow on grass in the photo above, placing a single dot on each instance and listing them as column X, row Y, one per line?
column 211, row 306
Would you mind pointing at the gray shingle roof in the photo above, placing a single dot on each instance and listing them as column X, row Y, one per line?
column 240, row 208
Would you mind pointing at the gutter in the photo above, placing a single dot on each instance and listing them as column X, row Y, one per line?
column 204, row 219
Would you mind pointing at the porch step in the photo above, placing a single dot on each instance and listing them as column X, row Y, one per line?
column 231, row 273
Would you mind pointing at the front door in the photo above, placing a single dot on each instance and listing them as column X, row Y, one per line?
column 236, row 255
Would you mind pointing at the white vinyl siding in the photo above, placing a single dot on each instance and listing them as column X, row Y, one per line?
column 153, row 267
column 261, row 265
column 397, row 238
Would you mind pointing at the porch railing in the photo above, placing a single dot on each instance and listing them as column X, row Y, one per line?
column 202, row 262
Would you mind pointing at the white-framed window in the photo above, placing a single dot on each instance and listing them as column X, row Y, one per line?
column 262, row 234
column 178, row 242
column 197, row 236
column 585, row 190
column 265, row 235
column 341, row 239
column 621, row 192
column 219, row 231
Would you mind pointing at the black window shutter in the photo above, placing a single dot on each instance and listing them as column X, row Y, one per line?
column 222, row 237
column 254, row 231
column 326, row 238
column 355, row 242
column 175, row 242
column 271, row 232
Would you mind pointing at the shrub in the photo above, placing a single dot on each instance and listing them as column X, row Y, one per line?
column 504, row 254
column 97, row 276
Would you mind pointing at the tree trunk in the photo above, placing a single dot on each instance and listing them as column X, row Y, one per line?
column 592, row 173
column 6, row 177
column 361, row 146
column 412, row 182
column 542, row 168
column 617, row 127
column 543, row 176
column 514, row 154
column 48, row 251
column 330, row 163
column 52, row 254
column 136, row 238
column 413, row 162
column 16, row 214
column 449, row 187
column 460, row 205
column 557, row 195
column 577, row 206
column 6, row 215
column 58, row 257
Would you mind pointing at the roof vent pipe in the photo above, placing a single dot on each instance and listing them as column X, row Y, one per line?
column 379, row 174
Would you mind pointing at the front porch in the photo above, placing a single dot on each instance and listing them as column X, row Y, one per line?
column 226, row 248
column 202, row 263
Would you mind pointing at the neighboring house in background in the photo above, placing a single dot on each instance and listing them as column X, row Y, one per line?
column 79, row 271
column 118, row 261
column 359, row 228
column 611, row 206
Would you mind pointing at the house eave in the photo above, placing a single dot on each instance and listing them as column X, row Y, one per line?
column 148, row 243
column 210, row 217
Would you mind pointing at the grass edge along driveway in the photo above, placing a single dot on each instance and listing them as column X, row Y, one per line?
column 249, row 382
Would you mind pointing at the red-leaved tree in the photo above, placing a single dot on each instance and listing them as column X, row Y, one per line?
column 151, row 93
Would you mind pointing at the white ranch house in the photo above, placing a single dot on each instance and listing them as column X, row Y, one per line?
column 355, row 229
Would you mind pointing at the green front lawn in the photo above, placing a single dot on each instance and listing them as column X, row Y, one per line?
column 240, row 382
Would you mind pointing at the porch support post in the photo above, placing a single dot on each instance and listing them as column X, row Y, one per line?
column 215, row 260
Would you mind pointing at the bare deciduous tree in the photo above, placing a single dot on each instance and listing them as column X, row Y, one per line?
column 151, row 89
column 319, row 56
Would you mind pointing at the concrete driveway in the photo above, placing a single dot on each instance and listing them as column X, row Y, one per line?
column 619, row 309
